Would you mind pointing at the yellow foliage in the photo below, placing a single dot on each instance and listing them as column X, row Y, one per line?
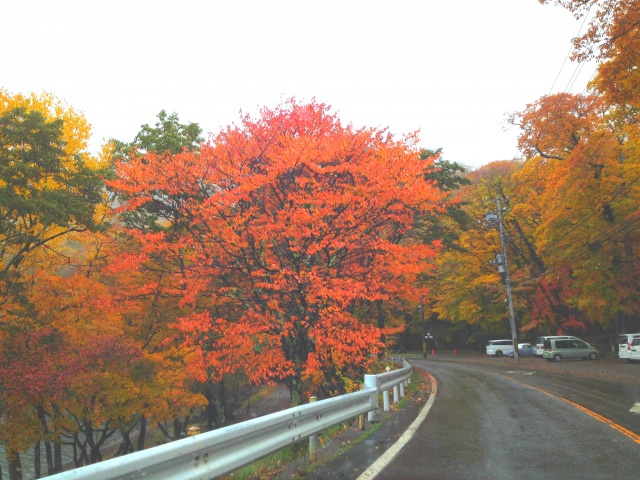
column 76, row 130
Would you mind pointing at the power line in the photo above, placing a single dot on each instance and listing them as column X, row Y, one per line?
column 576, row 72
column 569, row 53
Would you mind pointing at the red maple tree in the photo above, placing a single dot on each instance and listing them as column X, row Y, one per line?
column 277, row 233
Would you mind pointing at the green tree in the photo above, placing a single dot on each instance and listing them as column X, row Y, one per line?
column 45, row 193
column 168, row 136
column 448, row 177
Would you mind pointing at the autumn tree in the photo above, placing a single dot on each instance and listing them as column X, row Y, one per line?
column 446, row 225
column 49, row 187
column 152, row 288
column 612, row 39
column 555, row 125
column 50, row 190
column 168, row 137
column 73, row 366
column 62, row 375
column 469, row 291
column 590, row 164
column 593, row 193
column 573, row 213
column 291, row 222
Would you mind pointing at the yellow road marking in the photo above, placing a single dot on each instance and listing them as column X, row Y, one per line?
column 633, row 436
column 619, row 428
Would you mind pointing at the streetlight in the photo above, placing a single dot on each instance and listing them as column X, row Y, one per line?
column 507, row 283
column 427, row 339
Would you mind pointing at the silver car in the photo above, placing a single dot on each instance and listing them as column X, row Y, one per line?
column 558, row 349
column 540, row 342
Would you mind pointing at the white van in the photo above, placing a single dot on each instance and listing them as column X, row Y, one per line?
column 624, row 343
column 634, row 351
column 540, row 342
column 498, row 348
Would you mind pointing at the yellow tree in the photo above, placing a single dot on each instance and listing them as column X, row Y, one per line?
column 470, row 289
column 586, row 231
column 49, row 185
column 149, row 303
column 76, row 368
column 613, row 40
column 50, row 188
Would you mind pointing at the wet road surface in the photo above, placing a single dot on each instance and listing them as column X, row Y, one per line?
column 498, row 422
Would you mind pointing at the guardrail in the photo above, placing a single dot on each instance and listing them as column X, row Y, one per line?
column 211, row 454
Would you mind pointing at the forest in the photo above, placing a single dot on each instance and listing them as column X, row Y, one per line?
column 145, row 287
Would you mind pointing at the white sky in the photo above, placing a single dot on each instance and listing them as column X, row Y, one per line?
column 449, row 68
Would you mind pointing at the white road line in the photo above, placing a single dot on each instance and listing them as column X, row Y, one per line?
column 376, row 467
column 635, row 408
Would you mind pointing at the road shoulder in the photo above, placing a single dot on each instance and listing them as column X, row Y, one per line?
column 349, row 454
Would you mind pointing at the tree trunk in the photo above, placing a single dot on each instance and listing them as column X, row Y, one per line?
column 380, row 313
column 222, row 401
column 49, row 457
column 143, row 434
column 46, row 431
column 210, row 411
column 15, row 466
column 296, row 387
column 37, row 466
column 80, row 456
column 380, row 316
column 125, row 445
column 57, row 457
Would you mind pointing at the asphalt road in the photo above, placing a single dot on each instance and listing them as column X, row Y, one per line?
column 499, row 420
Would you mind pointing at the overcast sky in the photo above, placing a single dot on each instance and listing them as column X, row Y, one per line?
column 449, row 68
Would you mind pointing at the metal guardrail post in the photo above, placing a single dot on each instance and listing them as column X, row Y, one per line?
column 370, row 382
column 314, row 442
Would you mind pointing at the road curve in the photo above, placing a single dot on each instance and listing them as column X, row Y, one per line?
column 487, row 424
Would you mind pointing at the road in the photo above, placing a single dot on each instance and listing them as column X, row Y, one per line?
column 500, row 421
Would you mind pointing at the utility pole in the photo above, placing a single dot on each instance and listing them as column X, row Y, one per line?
column 424, row 338
column 507, row 282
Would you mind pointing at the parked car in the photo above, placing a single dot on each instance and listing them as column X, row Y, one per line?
column 497, row 348
column 558, row 349
column 524, row 350
column 634, row 350
column 540, row 342
column 624, row 343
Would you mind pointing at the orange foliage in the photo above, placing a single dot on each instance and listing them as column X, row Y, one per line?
column 556, row 124
column 277, row 230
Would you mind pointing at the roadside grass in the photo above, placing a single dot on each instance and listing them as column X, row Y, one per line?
column 271, row 466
